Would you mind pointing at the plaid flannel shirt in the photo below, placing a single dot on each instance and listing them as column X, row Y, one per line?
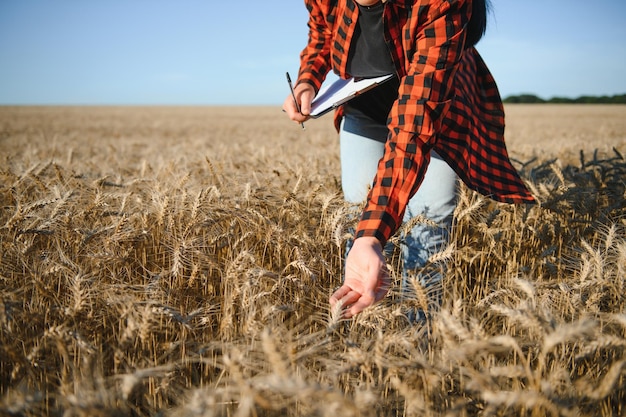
column 447, row 101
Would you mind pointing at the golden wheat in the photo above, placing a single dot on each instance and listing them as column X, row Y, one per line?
column 179, row 261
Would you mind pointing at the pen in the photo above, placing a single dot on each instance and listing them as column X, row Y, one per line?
column 293, row 94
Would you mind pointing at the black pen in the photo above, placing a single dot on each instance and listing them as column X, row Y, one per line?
column 293, row 94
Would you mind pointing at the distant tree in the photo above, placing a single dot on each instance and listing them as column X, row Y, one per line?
column 533, row 99
column 524, row 98
column 560, row 100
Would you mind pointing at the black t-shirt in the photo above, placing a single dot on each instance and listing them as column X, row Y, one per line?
column 369, row 57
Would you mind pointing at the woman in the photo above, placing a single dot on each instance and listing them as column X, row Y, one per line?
column 439, row 118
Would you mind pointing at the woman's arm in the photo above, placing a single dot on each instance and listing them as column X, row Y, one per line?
column 315, row 57
column 424, row 98
column 314, row 62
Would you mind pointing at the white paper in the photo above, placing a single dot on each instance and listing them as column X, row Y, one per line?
column 335, row 94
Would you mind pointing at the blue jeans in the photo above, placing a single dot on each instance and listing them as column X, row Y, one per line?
column 435, row 200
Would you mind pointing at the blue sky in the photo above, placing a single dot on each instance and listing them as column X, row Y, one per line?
column 190, row 52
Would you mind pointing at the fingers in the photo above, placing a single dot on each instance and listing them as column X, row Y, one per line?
column 363, row 302
column 304, row 94
column 352, row 302
column 338, row 295
column 289, row 106
column 306, row 98
column 345, row 295
column 354, row 297
column 369, row 297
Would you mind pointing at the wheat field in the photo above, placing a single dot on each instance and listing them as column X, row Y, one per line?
column 177, row 262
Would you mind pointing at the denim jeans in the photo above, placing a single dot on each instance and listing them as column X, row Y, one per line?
column 435, row 200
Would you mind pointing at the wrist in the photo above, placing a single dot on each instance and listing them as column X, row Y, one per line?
column 368, row 241
column 371, row 234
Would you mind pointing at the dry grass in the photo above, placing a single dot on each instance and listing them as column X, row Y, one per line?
column 178, row 262
column 564, row 130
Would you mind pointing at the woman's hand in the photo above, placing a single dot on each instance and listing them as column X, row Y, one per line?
column 304, row 93
column 367, row 278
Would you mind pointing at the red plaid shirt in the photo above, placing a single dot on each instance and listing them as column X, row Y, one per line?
column 447, row 101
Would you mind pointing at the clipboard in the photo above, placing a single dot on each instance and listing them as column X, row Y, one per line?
column 341, row 91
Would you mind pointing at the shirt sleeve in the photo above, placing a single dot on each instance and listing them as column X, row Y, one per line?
column 425, row 95
column 315, row 57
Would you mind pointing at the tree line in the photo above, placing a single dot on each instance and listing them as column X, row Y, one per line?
column 532, row 99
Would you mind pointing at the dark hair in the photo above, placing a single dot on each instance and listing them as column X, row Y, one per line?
column 478, row 23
